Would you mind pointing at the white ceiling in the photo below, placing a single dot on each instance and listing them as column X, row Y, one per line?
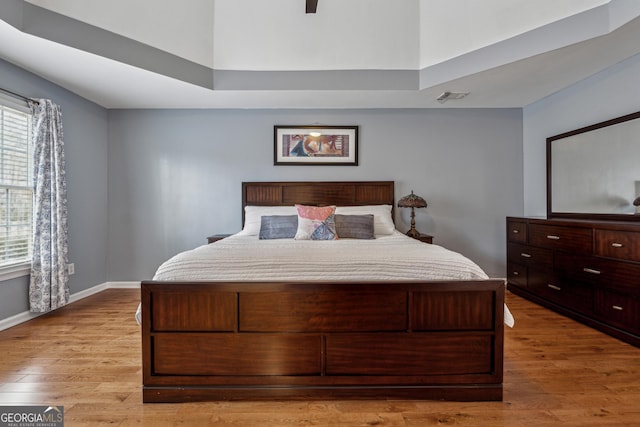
column 506, row 53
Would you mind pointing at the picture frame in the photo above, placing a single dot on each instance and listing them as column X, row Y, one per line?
column 315, row 145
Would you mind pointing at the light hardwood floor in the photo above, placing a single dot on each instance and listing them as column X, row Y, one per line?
column 86, row 357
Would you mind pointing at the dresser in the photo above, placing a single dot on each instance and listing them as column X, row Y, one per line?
column 587, row 270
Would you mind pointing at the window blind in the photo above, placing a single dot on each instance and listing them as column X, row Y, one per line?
column 16, row 185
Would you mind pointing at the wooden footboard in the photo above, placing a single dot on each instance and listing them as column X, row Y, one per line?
column 224, row 341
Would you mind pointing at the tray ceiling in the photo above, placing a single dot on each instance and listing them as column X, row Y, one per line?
column 356, row 54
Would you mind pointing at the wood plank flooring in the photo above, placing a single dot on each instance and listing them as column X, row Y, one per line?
column 86, row 357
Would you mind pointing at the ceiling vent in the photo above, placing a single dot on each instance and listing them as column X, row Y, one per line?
column 446, row 96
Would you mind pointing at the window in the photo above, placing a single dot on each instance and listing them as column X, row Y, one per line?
column 16, row 185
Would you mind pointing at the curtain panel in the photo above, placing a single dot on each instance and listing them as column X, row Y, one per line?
column 49, row 283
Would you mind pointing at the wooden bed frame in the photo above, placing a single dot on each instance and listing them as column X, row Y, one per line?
column 316, row 340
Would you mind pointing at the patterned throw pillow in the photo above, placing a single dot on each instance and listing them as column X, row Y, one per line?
column 326, row 230
column 310, row 218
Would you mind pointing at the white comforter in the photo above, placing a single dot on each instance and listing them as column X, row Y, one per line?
column 391, row 257
column 386, row 258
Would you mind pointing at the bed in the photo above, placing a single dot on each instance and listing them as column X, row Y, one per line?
column 346, row 326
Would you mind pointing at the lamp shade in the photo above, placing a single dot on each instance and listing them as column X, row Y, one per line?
column 412, row 201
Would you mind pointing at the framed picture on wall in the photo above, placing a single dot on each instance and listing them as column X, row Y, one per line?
column 315, row 145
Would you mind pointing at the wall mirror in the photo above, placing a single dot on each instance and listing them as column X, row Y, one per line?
column 594, row 172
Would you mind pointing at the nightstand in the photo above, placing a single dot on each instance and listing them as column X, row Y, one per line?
column 216, row 237
column 425, row 238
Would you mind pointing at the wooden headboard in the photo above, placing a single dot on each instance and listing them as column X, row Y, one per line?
column 319, row 193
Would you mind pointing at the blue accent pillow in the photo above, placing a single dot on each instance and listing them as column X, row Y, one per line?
column 278, row 227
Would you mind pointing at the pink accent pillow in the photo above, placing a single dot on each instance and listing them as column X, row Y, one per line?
column 310, row 218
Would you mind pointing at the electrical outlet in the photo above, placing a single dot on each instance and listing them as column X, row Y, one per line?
column 71, row 269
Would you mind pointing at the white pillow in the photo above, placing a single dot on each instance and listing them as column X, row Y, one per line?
column 253, row 217
column 382, row 220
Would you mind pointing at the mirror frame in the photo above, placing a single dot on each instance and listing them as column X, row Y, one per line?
column 580, row 215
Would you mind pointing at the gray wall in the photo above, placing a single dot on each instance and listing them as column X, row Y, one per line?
column 608, row 94
column 175, row 175
column 85, row 137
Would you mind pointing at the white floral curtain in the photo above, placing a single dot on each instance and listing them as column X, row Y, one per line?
column 49, row 285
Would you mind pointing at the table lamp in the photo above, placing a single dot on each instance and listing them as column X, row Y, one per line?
column 412, row 201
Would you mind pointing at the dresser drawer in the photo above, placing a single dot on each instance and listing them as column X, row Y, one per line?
column 618, row 244
column 517, row 274
column 575, row 239
column 544, row 283
column 619, row 275
column 574, row 295
column 528, row 255
column 618, row 309
column 516, row 231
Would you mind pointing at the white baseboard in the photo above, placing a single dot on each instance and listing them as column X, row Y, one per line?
column 17, row 319
column 123, row 285
column 26, row 315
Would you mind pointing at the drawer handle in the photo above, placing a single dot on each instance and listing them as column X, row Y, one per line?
column 616, row 307
column 552, row 237
column 554, row 287
column 515, row 273
column 525, row 255
column 514, row 231
column 616, row 245
column 591, row 270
